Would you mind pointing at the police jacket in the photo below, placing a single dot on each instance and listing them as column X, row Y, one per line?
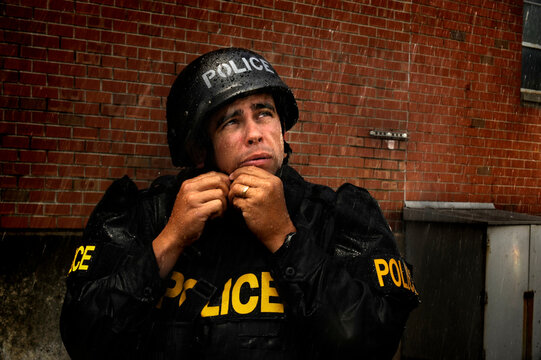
column 338, row 288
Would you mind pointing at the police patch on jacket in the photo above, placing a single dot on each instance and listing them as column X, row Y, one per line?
column 391, row 273
column 246, row 294
column 83, row 258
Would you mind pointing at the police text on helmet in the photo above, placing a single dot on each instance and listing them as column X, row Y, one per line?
column 231, row 67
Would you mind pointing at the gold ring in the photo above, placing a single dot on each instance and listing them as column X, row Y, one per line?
column 245, row 190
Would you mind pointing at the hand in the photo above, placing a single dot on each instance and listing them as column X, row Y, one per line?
column 198, row 200
column 262, row 204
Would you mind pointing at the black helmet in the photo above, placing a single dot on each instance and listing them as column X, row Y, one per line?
column 211, row 81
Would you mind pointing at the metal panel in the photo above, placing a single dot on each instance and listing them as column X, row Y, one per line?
column 506, row 281
column 448, row 268
column 535, row 286
column 465, row 216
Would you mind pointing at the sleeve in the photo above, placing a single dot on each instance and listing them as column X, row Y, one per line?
column 344, row 283
column 113, row 283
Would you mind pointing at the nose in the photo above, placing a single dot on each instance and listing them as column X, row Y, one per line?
column 253, row 132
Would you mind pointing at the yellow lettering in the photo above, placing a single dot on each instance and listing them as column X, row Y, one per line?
column 225, row 298
column 74, row 265
column 393, row 264
column 404, row 282
column 188, row 284
column 249, row 306
column 178, row 278
column 266, row 292
column 210, row 310
column 381, row 271
column 231, row 295
column 86, row 256
column 410, row 283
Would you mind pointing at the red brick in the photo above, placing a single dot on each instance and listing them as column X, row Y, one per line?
column 14, row 222
column 70, row 222
column 83, row 185
column 57, row 132
column 30, row 209
column 56, row 157
column 7, row 209
column 69, row 197
column 33, row 104
column 10, row 141
column 47, row 170
column 44, row 144
column 88, row 159
column 16, row 89
column 61, row 106
column 82, row 210
column 32, row 156
column 71, row 171
column 96, row 172
column 42, row 222
column 94, row 197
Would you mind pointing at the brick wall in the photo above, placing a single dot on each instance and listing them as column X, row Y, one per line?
column 471, row 138
column 84, row 85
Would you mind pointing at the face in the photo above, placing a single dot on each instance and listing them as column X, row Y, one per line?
column 247, row 132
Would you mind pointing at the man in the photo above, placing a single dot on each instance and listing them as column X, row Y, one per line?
column 237, row 257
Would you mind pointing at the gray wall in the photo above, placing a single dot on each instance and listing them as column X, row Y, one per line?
column 33, row 267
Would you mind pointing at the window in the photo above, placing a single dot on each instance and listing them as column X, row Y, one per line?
column 531, row 52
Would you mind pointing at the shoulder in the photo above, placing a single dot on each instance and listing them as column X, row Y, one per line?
column 359, row 213
column 297, row 189
column 351, row 199
column 356, row 216
column 123, row 204
column 122, row 222
column 123, row 194
column 347, row 198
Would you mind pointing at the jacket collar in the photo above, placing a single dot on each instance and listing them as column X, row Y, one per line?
column 294, row 187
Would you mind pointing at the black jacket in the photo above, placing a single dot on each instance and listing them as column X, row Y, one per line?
column 338, row 288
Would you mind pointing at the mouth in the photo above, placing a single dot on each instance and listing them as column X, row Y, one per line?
column 258, row 159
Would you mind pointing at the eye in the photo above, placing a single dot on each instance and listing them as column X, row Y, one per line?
column 265, row 113
column 227, row 123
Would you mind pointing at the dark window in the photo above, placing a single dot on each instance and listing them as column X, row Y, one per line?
column 531, row 51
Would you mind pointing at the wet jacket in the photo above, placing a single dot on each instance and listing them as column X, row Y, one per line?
column 336, row 288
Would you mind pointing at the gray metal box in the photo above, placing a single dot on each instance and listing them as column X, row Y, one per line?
column 478, row 272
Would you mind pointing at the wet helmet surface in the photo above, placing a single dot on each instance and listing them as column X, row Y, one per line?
column 211, row 81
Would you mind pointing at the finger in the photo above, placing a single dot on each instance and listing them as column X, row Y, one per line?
column 211, row 174
column 219, row 180
column 239, row 203
column 249, row 170
column 211, row 209
column 206, row 196
column 207, row 181
column 216, row 208
column 250, row 180
column 239, row 190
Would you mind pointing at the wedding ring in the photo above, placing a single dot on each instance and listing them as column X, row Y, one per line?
column 245, row 190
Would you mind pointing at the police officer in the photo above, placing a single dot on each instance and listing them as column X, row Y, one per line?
column 237, row 257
